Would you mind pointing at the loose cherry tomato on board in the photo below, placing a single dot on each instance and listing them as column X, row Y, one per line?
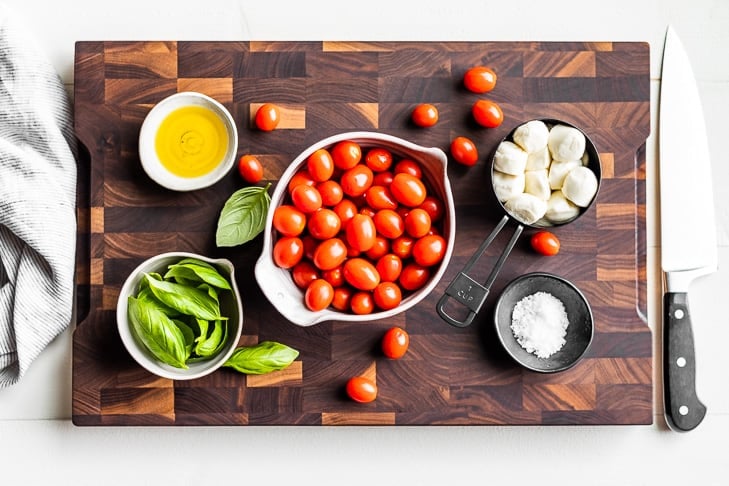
column 479, row 79
column 318, row 295
column 387, row 295
column 545, row 243
column 395, row 342
column 464, row 151
column 361, row 389
column 250, row 169
column 267, row 117
column 487, row 113
column 425, row 115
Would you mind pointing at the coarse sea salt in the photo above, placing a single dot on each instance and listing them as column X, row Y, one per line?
column 539, row 323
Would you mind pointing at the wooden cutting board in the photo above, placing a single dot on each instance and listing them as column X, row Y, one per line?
column 449, row 376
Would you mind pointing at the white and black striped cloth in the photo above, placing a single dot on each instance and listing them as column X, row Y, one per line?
column 37, row 201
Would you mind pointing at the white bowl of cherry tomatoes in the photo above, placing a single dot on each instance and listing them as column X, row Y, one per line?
column 361, row 227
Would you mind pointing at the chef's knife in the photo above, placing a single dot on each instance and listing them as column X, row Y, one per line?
column 688, row 233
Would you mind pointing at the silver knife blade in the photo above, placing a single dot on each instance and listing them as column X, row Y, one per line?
column 688, row 228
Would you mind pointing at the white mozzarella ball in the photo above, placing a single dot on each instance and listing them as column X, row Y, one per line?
column 580, row 186
column 539, row 159
column 507, row 186
column 510, row 158
column 531, row 136
column 566, row 143
column 526, row 208
column 559, row 170
column 560, row 209
column 536, row 182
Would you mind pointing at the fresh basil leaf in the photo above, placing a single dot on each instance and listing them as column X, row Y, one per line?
column 262, row 358
column 187, row 333
column 202, row 330
column 211, row 291
column 243, row 216
column 193, row 272
column 157, row 332
column 210, row 346
column 146, row 295
column 187, row 300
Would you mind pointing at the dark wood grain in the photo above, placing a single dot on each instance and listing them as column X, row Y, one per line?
column 449, row 376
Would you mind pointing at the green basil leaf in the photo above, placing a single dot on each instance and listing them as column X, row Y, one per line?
column 146, row 295
column 202, row 328
column 264, row 357
column 243, row 216
column 157, row 332
column 187, row 300
column 191, row 271
column 187, row 333
column 211, row 291
column 210, row 346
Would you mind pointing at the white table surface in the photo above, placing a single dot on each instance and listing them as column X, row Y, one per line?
column 38, row 442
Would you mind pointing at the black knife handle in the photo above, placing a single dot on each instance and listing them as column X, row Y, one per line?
column 683, row 409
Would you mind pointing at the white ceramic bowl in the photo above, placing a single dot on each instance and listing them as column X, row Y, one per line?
column 277, row 283
column 230, row 306
column 148, row 153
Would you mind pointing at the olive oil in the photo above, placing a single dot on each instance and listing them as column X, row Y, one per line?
column 191, row 141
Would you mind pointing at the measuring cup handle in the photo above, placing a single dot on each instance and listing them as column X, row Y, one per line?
column 450, row 320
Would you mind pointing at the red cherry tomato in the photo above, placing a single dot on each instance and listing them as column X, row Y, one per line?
column 301, row 177
column 378, row 159
column 318, row 295
column 425, row 115
column 383, row 178
column 320, row 165
column 403, row 246
column 342, row 298
column 429, row 250
column 360, row 273
column 333, row 276
column 324, row 223
column 307, row 199
column 389, row 267
column 545, row 243
column 379, row 248
column 413, row 276
column 361, row 389
column 288, row 220
column 357, row 180
column 417, row 222
column 487, row 113
column 434, row 207
column 362, row 303
column 329, row 254
column 395, row 342
column 288, row 251
column 389, row 223
column 361, row 232
column 479, row 79
column 408, row 189
column 331, row 192
column 387, row 295
column 380, row 197
column 408, row 166
column 346, row 154
column 304, row 273
column 346, row 210
column 250, row 169
column 267, row 117
column 464, row 151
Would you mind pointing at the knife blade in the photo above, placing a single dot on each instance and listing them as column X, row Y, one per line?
column 688, row 228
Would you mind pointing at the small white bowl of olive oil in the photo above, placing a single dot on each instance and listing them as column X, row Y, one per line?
column 188, row 141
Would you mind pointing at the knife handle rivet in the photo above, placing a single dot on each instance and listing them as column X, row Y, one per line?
column 681, row 362
column 683, row 410
column 678, row 314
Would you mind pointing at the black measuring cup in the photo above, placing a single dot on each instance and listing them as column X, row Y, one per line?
column 467, row 291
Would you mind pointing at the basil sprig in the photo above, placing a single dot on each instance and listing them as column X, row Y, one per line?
column 243, row 216
column 264, row 357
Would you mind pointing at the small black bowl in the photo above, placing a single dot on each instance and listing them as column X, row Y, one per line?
column 579, row 331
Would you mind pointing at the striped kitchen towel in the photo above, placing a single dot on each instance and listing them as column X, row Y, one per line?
column 37, row 201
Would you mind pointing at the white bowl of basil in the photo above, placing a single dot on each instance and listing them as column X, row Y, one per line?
column 180, row 314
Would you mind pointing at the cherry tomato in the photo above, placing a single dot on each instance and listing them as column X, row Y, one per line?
column 380, row 197
column 318, row 295
column 288, row 251
column 301, row 177
column 387, row 295
column 417, row 222
column 408, row 166
column 413, row 276
column 324, row 223
column 320, row 165
column 250, row 169
column 346, row 154
column 434, row 207
column 345, row 210
column 362, row 303
column 329, row 254
column 357, row 180
column 464, row 151
column 378, row 159
column 545, row 243
column 479, row 79
column 395, row 342
column 388, row 223
column 360, row 274
column 307, row 199
column 304, row 273
column 288, row 220
column 331, row 192
column 342, row 298
column 383, row 178
column 403, row 246
column 361, row 232
column 425, row 115
column 408, row 189
column 379, row 248
column 389, row 267
column 267, row 117
column 429, row 250
column 361, row 389
column 487, row 113
column 333, row 276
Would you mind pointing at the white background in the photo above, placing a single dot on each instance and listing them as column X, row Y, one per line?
column 38, row 443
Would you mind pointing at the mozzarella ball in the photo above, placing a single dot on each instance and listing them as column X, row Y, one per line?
column 507, row 186
column 566, row 143
column 580, row 186
column 536, row 182
column 510, row 158
column 531, row 136
column 526, row 208
column 539, row 159
column 559, row 170
column 560, row 209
